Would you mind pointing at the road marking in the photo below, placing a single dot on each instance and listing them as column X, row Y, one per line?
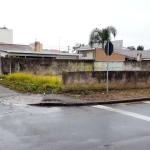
column 135, row 115
column 11, row 104
column 20, row 105
column 147, row 102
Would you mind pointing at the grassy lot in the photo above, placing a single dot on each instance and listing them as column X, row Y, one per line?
column 32, row 83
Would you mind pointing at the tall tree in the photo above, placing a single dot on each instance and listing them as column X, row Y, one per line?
column 140, row 48
column 101, row 36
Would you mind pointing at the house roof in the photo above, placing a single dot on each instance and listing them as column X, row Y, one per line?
column 38, row 54
column 118, row 44
column 133, row 53
column 54, row 51
column 4, row 46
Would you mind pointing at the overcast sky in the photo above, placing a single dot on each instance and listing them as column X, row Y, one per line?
column 73, row 20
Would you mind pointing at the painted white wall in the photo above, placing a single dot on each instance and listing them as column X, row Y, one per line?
column 120, row 66
column 6, row 36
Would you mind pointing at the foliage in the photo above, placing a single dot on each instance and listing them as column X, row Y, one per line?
column 140, row 47
column 131, row 47
column 32, row 83
column 101, row 36
column 77, row 45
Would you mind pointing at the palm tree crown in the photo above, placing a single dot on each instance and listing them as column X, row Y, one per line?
column 100, row 36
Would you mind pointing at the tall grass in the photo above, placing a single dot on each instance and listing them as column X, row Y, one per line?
column 33, row 83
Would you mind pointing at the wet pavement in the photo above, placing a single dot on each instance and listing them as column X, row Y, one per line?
column 101, row 127
column 10, row 97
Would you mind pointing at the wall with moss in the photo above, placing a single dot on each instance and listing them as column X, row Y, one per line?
column 97, row 80
column 45, row 66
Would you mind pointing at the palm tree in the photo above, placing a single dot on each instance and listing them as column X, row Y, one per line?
column 101, row 36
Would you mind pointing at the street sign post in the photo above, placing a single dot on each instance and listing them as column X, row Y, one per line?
column 108, row 50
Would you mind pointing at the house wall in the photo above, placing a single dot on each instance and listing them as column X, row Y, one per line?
column 89, row 54
column 45, row 66
column 6, row 36
column 101, row 56
column 97, row 80
column 122, row 66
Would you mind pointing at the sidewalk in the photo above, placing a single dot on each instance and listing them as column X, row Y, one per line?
column 12, row 98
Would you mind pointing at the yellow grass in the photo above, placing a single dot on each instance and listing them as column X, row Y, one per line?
column 33, row 83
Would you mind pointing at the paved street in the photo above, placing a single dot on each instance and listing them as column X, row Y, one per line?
column 112, row 127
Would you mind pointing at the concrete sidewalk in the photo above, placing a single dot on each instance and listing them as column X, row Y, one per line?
column 61, row 100
column 10, row 97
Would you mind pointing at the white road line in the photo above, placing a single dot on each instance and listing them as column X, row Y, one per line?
column 11, row 104
column 135, row 115
column 147, row 102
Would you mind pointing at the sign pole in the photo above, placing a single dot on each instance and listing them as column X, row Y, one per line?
column 107, row 66
column 108, row 51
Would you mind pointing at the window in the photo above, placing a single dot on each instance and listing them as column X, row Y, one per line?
column 84, row 54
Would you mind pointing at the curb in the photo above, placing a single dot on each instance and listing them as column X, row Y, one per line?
column 69, row 104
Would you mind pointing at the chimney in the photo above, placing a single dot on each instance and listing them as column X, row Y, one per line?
column 139, row 57
column 38, row 46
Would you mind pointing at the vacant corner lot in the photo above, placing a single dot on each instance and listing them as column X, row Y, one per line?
column 24, row 82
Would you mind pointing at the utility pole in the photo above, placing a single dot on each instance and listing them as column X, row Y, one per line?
column 68, row 48
column 107, row 66
column 59, row 42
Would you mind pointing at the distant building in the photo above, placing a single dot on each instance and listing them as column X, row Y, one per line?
column 119, row 54
column 6, row 35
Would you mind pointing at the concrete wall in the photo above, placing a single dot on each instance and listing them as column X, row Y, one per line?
column 97, row 80
column 6, row 36
column 122, row 66
column 45, row 66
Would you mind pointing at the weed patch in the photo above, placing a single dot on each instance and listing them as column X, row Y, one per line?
column 32, row 83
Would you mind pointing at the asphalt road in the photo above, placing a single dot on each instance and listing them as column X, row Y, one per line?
column 109, row 127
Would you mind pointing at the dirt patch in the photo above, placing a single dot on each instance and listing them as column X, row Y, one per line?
column 113, row 94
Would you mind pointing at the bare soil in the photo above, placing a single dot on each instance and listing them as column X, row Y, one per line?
column 112, row 95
